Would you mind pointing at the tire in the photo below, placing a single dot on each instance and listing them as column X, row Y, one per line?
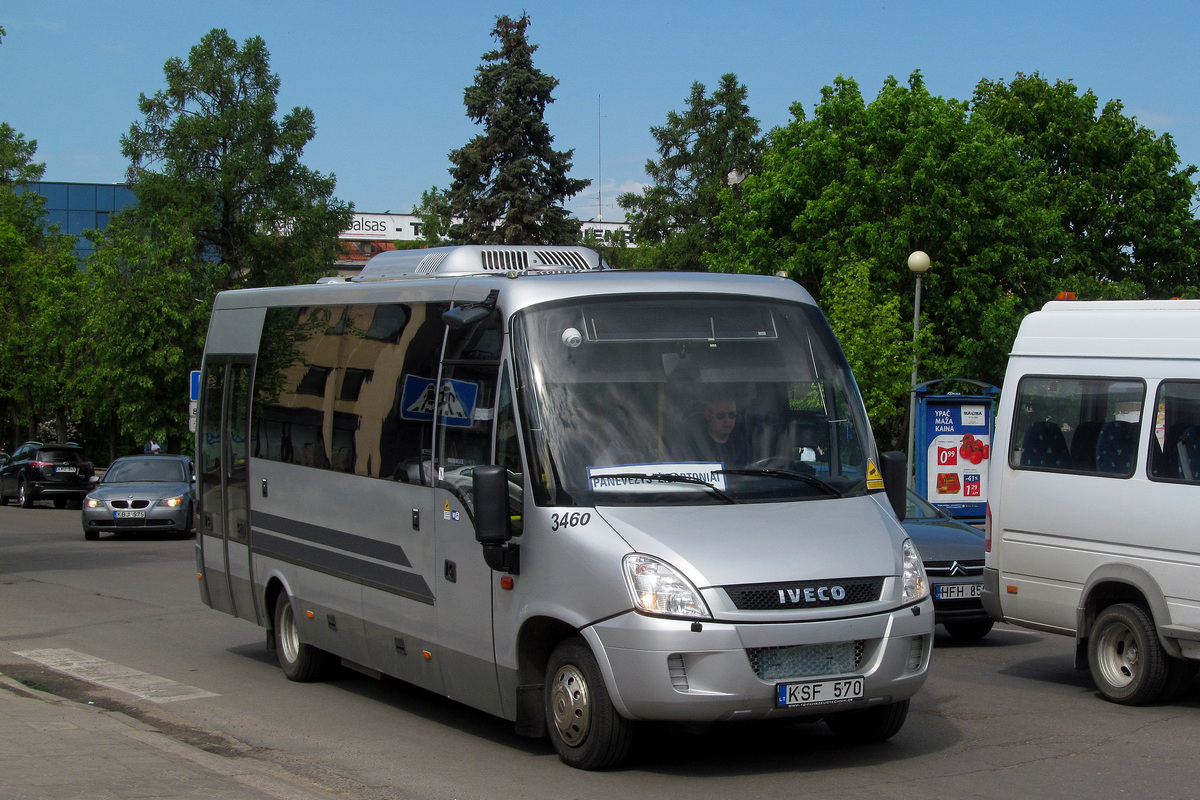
column 874, row 724
column 299, row 661
column 60, row 503
column 1126, row 660
column 585, row 728
column 23, row 496
column 969, row 631
column 91, row 536
column 3, row 499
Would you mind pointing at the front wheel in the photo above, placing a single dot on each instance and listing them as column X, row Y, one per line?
column 299, row 661
column 586, row 729
column 874, row 724
column 1126, row 660
column 969, row 631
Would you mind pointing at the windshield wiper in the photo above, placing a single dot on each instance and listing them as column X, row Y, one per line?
column 811, row 480
column 666, row 478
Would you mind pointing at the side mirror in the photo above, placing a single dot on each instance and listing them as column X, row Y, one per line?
column 93, row 480
column 489, row 489
column 894, row 466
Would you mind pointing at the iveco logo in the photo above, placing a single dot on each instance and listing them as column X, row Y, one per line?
column 813, row 594
column 957, row 569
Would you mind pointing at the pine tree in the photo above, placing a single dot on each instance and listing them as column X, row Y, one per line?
column 509, row 183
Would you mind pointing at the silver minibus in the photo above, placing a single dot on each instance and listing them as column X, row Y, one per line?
column 574, row 497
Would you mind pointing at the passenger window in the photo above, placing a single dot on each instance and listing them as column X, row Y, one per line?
column 1175, row 440
column 349, row 388
column 467, row 402
column 1084, row 425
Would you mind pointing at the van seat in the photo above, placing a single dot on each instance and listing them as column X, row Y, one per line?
column 1189, row 453
column 1083, row 444
column 1116, row 448
column 1045, row 447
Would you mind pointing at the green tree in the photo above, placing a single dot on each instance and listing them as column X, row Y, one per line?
column 509, row 183
column 40, row 287
column 704, row 154
column 224, row 202
column 1020, row 194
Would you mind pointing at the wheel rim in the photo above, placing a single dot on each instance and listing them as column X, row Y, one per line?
column 21, row 494
column 289, row 639
column 569, row 697
column 1119, row 655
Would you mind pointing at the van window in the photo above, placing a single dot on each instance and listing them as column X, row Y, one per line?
column 467, row 401
column 1175, row 443
column 372, row 415
column 1072, row 424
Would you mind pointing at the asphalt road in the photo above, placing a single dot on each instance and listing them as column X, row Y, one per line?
column 1007, row 718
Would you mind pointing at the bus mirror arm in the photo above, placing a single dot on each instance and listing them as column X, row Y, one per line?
column 493, row 526
column 894, row 466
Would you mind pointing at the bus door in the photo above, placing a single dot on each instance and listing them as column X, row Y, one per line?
column 224, row 485
column 465, row 425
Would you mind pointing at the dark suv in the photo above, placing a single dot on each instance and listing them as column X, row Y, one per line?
column 37, row 471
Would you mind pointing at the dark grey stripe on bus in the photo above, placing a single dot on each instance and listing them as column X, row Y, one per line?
column 341, row 564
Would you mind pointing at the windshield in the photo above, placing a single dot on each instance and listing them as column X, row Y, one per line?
column 647, row 400
column 146, row 469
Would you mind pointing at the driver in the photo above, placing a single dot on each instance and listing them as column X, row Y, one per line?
column 722, row 440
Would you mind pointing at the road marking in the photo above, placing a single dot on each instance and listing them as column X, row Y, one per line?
column 115, row 676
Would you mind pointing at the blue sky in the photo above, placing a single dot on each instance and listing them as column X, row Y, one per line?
column 385, row 79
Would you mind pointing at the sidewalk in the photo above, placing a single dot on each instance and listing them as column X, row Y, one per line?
column 57, row 749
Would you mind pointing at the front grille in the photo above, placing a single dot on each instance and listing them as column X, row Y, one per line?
column 806, row 660
column 130, row 503
column 804, row 594
column 954, row 569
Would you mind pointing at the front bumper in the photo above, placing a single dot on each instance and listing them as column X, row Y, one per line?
column 156, row 519
column 681, row 671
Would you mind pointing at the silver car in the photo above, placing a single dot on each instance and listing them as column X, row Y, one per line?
column 142, row 494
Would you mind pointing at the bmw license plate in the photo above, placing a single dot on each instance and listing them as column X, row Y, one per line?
column 818, row 693
column 957, row 591
column 129, row 515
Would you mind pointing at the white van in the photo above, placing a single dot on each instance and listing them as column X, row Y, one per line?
column 1092, row 517
column 567, row 495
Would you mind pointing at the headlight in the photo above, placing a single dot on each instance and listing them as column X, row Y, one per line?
column 172, row 502
column 92, row 502
column 916, row 583
column 658, row 589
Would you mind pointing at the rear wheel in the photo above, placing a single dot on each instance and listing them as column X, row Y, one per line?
column 1126, row 660
column 24, row 496
column 874, row 724
column 299, row 661
column 586, row 729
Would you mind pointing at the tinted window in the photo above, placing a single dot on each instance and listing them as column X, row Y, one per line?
column 386, row 359
column 1072, row 424
column 1175, row 440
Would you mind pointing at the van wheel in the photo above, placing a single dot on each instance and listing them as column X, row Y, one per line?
column 874, row 724
column 586, row 729
column 1126, row 660
column 969, row 631
column 299, row 661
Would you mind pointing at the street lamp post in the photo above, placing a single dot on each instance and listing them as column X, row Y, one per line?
column 918, row 263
